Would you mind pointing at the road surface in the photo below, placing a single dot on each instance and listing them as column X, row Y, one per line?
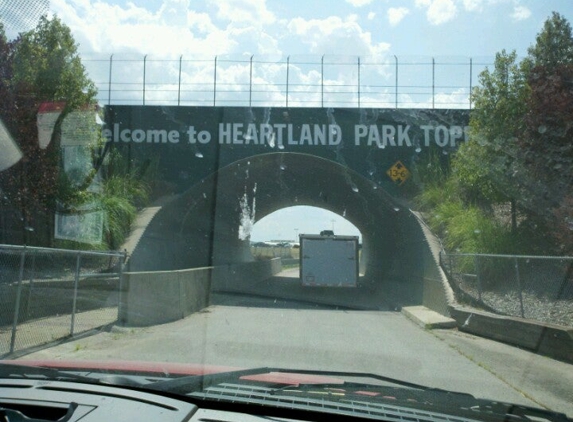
column 243, row 331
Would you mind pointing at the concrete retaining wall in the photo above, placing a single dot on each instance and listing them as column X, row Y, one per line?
column 546, row 339
column 237, row 277
column 158, row 297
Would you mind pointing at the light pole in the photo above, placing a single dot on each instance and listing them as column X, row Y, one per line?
column 296, row 235
column 333, row 221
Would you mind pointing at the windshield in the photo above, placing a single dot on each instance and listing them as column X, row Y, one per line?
column 376, row 194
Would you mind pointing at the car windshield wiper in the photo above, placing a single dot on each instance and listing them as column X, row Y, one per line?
column 192, row 383
column 22, row 371
column 11, row 370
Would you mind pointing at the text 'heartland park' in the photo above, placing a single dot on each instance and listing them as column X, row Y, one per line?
column 281, row 134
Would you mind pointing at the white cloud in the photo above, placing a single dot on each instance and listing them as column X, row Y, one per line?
column 174, row 29
column 371, row 16
column 334, row 35
column 520, row 13
column 359, row 3
column 251, row 12
column 438, row 11
column 396, row 14
column 473, row 5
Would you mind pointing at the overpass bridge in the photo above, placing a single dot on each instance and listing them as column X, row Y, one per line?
column 231, row 166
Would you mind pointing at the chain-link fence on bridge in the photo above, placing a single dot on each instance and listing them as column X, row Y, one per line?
column 291, row 81
column 539, row 288
column 49, row 294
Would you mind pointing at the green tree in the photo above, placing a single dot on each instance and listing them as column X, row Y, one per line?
column 46, row 61
column 553, row 45
column 484, row 164
column 41, row 65
column 520, row 149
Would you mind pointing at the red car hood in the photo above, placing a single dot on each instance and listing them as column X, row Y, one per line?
column 179, row 369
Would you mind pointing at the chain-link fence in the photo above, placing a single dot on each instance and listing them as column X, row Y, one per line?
column 292, row 81
column 49, row 294
column 539, row 288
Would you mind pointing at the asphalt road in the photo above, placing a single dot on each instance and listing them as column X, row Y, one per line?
column 243, row 331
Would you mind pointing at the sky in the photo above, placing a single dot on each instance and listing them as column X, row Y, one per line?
column 271, row 30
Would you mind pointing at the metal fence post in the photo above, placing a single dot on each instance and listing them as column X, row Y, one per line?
column 478, row 276
column 109, row 84
column 31, row 285
column 179, row 86
column 471, row 71
column 76, row 281
column 396, row 87
column 17, row 304
column 251, row 81
column 358, row 81
column 322, row 81
column 120, row 296
column 519, row 287
column 287, row 77
column 144, row 68
column 433, row 83
column 215, row 82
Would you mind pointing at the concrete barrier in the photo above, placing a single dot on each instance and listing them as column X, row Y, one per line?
column 237, row 277
column 546, row 339
column 149, row 298
column 158, row 297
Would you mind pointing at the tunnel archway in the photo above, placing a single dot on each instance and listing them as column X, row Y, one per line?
column 202, row 226
column 286, row 224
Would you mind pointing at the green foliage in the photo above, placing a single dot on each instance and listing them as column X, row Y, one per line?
column 46, row 62
column 122, row 194
column 520, row 152
column 499, row 102
column 553, row 45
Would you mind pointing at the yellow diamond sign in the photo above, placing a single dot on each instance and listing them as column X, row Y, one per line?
column 398, row 173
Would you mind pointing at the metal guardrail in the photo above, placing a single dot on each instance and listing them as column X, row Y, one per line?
column 294, row 81
column 48, row 294
column 539, row 288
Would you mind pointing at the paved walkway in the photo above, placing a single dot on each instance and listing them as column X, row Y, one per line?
column 141, row 222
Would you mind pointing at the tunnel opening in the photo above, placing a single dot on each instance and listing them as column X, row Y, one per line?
column 277, row 234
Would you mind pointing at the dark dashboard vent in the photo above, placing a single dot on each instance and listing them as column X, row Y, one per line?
column 38, row 412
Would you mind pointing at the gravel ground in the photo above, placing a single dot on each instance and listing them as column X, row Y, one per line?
column 537, row 305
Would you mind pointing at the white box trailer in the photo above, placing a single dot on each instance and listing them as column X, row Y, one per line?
column 328, row 260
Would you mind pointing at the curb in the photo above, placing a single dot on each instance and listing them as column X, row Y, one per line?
column 427, row 318
column 550, row 340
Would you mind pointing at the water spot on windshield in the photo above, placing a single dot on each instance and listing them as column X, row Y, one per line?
column 542, row 129
column 355, row 188
column 396, row 209
column 418, row 149
column 198, row 154
column 247, row 214
column 282, row 167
